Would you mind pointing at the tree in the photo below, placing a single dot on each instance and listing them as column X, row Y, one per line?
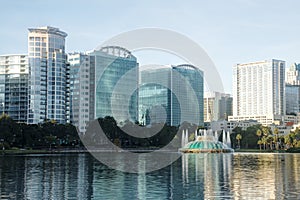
column 264, row 141
column 238, row 138
column 259, row 142
column 270, row 141
column 276, row 133
column 258, row 133
column 265, row 131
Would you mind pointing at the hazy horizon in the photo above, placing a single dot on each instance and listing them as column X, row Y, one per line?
column 232, row 32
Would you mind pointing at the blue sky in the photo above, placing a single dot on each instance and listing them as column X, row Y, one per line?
column 231, row 32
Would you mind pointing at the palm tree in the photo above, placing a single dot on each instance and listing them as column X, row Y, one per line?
column 259, row 142
column 265, row 131
column 264, row 141
column 287, row 141
column 270, row 141
column 276, row 133
column 258, row 133
column 238, row 138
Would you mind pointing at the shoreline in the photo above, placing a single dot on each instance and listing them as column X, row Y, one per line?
column 78, row 151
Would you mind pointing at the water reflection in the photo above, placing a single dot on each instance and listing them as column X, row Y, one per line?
column 194, row 176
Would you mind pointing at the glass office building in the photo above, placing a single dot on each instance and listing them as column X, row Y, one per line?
column 155, row 95
column 113, row 65
column 14, row 86
column 171, row 94
column 193, row 88
column 47, row 75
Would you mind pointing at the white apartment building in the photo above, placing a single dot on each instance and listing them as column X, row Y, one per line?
column 47, row 75
column 258, row 91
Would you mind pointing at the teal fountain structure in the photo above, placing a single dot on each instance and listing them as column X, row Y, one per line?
column 206, row 141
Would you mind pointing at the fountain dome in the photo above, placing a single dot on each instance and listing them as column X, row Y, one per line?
column 206, row 144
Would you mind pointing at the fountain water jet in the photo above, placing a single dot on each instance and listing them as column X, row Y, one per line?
column 207, row 143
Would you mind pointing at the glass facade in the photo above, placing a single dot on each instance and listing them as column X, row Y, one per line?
column 154, row 98
column 170, row 94
column 47, row 75
column 292, row 97
column 114, row 64
column 14, row 86
column 193, row 87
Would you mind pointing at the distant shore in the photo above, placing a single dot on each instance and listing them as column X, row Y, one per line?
column 136, row 150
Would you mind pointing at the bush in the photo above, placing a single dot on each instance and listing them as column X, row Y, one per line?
column 293, row 150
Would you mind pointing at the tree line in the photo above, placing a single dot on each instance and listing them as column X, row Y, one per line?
column 264, row 138
column 36, row 136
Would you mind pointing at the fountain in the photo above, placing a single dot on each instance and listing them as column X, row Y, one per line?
column 206, row 141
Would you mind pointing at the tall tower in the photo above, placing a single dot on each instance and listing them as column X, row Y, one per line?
column 47, row 75
column 258, row 91
column 112, row 65
column 82, row 87
column 14, row 86
column 292, row 90
column 171, row 94
column 293, row 75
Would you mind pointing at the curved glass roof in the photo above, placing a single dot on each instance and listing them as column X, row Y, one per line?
column 205, row 145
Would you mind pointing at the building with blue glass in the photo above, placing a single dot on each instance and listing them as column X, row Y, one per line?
column 116, row 83
column 47, row 75
column 171, row 94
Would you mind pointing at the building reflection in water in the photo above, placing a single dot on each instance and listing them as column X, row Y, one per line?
column 242, row 176
column 194, row 176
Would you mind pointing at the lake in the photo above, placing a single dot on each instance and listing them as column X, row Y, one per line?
column 193, row 176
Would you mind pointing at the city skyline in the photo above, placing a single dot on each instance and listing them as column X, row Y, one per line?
column 236, row 32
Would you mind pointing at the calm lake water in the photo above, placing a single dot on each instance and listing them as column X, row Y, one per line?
column 193, row 176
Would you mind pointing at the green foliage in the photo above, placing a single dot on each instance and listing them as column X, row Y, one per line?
column 22, row 135
column 120, row 137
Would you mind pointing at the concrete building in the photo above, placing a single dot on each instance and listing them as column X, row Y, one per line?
column 47, row 75
column 14, row 86
column 217, row 106
column 230, row 125
column 82, row 87
column 258, row 91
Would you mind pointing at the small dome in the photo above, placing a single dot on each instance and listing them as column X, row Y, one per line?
column 205, row 145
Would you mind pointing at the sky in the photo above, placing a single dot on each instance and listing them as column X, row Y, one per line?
column 231, row 32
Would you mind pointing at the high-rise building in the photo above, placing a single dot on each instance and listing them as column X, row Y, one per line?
column 47, row 75
column 82, row 74
column 293, row 75
column 155, row 95
column 217, row 106
column 292, row 99
column 258, row 91
column 158, row 102
column 112, row 65
column 14, row 86
column 292, row 90
column 194, row 86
